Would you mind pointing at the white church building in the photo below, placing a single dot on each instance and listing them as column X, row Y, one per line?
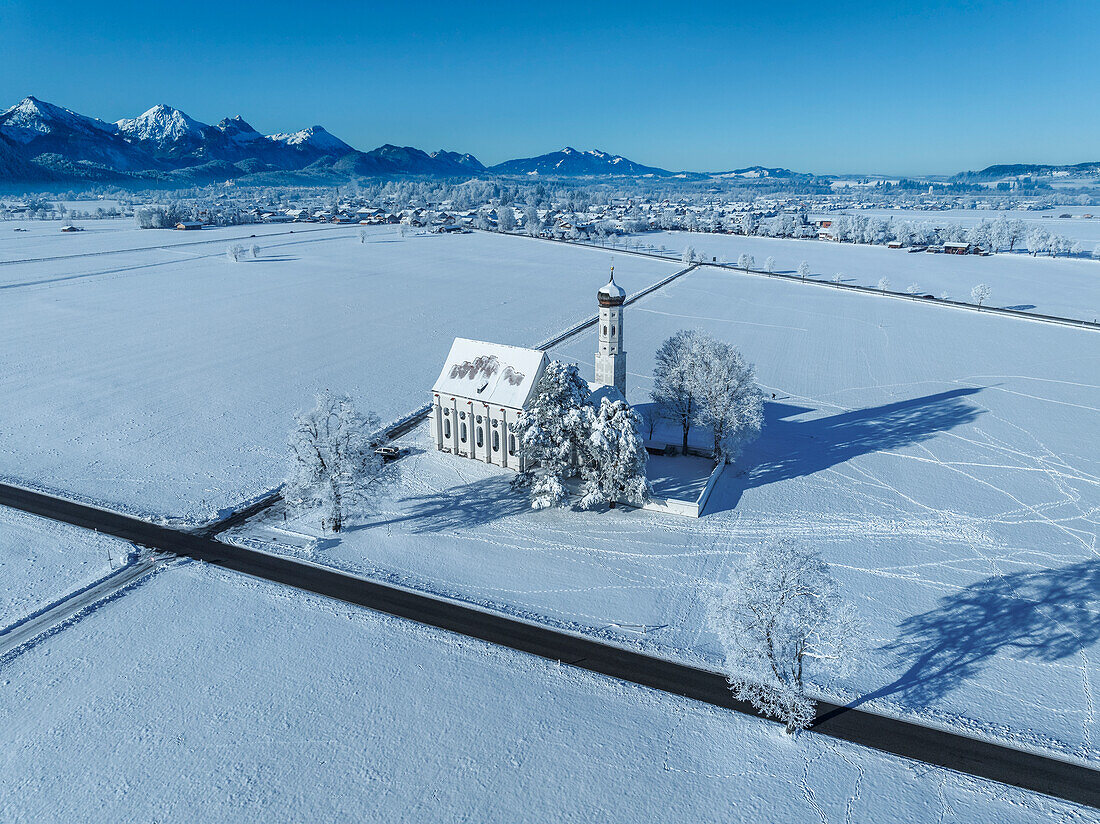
column 484, row 387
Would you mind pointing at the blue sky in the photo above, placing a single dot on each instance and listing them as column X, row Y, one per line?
column 892, row 87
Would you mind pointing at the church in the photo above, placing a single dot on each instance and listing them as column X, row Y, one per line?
column 484, row 387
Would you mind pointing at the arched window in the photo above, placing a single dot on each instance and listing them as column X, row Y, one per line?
column 605, row 331
column 446, row 427
column 511, row 444
column 462, row 432
column 480, row 436
column 612, row 330
column 496, row 441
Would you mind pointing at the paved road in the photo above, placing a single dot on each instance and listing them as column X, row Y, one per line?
column 1047, row 775
column 75, row 602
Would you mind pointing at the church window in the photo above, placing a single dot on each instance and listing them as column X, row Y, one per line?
column 612, row 330
column 446, row 427
column 481, row 436
column 511, row 444
column 496, row 441
column 462, row 433
column 605, row 330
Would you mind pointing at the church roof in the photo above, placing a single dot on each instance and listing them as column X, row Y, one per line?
column 612, row 289
column 496, row 374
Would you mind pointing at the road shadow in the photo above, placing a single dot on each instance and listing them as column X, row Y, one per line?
column 790, row 449
column 1045, row 615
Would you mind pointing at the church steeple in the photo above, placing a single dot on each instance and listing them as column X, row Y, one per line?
column 611, row 357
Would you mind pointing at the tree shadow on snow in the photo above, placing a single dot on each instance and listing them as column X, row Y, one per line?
column 461, row 507
column 790, row 449
column 1022, row 307
column 1045, row 615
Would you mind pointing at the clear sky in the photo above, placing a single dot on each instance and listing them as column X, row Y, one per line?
column 897, row 87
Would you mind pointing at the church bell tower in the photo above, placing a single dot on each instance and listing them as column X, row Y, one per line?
column 611, row 357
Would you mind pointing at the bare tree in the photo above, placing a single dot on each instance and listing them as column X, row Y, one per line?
column 335, row 467
column 782, row 610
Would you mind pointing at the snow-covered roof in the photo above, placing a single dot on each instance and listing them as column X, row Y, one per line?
column 493, row 373
column 612, row 289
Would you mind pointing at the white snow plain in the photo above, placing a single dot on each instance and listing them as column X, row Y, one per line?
column 1066, row 287
column 945, row 462
column 259, row 703
column 43, row 560
column 165, row 382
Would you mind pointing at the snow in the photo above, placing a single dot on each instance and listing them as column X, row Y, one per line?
column 42, row 560
column 315, row 137
column 31, row 118
column 165, row 382
column 490, row 372
column 162, row 123
column 1053, row 286
column 681, row 477
column 257, row 702
column 944, row 462
column 1077, row 227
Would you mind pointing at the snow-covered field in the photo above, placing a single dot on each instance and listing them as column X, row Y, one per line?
column 944, row 462
column 1052, row 286
column 42, row 560
column 166, row 385
column 258, row 703
column 44, row 238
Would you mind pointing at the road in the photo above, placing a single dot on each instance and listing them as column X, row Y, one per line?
column 1044, row 774
column 71, row 605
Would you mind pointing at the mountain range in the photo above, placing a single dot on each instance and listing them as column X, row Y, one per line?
column 41, row 142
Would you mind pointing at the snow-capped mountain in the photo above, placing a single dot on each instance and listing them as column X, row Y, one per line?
column 36, row 128
column 314, row 139
column 161, row 125
column 570, row 162
column 236, row 130
column 756, row 171
column 461, row 161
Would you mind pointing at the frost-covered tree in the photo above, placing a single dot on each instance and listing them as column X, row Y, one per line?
column 980, row 293
column 883, row 284
column 335, row 468
column 254, row 252
column 553, row 434
column 1096, row 252
column 745, row 261
column 688, row 255
column 782, row 611
column 803, row 269
column 506, row 219
column 675, row 374
column 235, row 252
column 727, row 397
column 912, row 289
column 615, row 460
column 1076, row 248
column 362, row 235
column 769, row 265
